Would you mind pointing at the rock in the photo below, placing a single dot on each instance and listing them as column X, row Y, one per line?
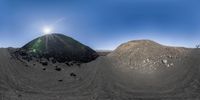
column 44, row 63
column 73, row 75
column 148, row 60
column 168, row 65
column 171, row 64
column 58, row 69
column 169, row 56
column 67, row 64
column 164, row 61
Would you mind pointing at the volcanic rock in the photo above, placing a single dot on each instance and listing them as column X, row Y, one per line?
column 59, row 47
column 44, row 63
column 73, row 75
column 58, row 68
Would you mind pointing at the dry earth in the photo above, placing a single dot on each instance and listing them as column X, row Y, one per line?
column 137, row 70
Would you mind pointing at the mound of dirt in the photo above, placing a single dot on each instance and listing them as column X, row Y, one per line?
column 147, row 55
column 59, row 47
column 145, row 65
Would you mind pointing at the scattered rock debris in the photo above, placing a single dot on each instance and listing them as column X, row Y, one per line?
column 58, row 68
column 169, row 56
column 44, row 63
column 67, row 64
column 71, row 63
column 167, row 63
column 73, row 75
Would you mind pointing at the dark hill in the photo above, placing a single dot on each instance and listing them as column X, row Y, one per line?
column 60, row 47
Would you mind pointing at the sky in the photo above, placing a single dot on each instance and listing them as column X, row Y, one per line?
column 101, row 24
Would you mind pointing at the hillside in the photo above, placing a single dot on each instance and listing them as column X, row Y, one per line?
column 59, row 47
column 146, row 69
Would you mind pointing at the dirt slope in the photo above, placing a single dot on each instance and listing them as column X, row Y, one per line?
column 146, row 69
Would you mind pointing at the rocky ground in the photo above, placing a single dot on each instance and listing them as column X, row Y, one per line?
column 146, row 69
column 136, row 70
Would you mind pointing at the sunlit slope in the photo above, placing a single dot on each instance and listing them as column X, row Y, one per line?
column 146, row 69
column 60, row 47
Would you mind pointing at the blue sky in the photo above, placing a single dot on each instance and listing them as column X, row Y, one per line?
column 101, row 24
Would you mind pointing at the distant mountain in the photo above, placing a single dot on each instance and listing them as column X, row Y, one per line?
column 60, row 47
column 103, row 52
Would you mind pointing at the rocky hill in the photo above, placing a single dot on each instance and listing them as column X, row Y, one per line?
column 58, row 47
column 147, row 55
column 154, row 70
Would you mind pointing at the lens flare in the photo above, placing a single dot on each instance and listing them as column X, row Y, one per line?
column 47, row 30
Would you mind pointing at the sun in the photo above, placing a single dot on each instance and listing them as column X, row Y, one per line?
column 47, row 30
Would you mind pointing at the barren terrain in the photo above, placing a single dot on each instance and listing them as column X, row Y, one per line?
column 136, row 70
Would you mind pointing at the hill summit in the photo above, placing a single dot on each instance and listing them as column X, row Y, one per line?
column 149, row 66
column 147, row 55
column 60, row 47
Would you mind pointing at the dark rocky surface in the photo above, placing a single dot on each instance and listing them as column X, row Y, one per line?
column 59, row 47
